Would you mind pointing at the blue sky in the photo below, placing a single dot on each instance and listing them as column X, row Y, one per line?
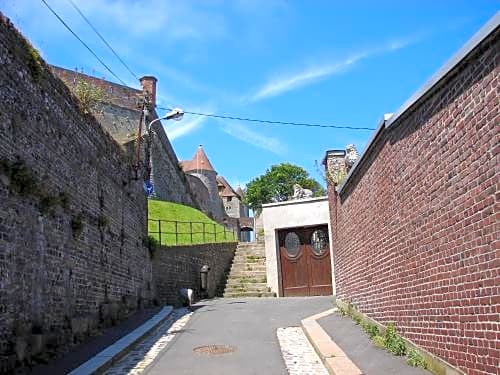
column 328, row 62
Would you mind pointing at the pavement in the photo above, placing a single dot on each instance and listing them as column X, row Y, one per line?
column 249, row 325
column 358, row 347
column 83, row 352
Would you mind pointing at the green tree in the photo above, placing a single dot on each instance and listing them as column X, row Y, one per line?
column 276, row 185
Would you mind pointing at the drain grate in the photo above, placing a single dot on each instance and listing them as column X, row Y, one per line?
column 214, row 349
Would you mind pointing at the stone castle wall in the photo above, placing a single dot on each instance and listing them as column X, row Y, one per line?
column 215, row 204
column 179, row 267
column 170, row 182
column 120, row 117
column 72, row 218
column 200, row 192
column 415, row 228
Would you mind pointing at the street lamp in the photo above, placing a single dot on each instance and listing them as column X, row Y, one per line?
column 175, row 114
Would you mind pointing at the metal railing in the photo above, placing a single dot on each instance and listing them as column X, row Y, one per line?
column 173, row 232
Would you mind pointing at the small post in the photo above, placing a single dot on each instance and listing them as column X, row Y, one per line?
column 204, row 233
column 176, row 234
column 224, row 232
column 159, row 231
column 191, row 231
column 215, row 233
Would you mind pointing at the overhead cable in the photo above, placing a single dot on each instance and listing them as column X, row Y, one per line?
column 270, row 122
column 84, row 44
column 102, row 39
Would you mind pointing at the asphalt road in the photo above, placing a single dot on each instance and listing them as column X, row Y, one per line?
column 248, row 324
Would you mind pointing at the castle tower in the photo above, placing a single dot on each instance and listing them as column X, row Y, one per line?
column 199, row 166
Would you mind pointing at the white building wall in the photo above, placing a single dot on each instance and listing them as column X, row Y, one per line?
column 290, row 214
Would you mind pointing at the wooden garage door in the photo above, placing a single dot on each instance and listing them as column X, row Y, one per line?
column 305, row 261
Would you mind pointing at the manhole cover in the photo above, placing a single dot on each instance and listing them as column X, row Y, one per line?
column 214, row 349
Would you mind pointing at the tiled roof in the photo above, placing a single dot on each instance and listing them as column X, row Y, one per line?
column 199, row 162
column 227, row 191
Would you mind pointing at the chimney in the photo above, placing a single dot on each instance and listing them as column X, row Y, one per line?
column 335, row 166
column 148, row 84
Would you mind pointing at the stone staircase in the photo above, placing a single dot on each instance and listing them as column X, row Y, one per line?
column 248, row 272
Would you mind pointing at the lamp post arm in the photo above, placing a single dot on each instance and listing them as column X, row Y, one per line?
column 152, row 122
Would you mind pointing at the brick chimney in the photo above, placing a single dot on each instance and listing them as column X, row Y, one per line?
column 148, row 84
column 335, row 166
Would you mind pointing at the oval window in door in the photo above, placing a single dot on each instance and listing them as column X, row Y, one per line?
column 319, row 241
column 292, row 244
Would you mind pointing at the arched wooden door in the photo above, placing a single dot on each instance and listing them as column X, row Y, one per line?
column 305, row 261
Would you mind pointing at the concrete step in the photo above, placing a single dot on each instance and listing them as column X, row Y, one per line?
column 255, row 243
column 248, row 294
column 245, row 271
column 250, row 277
column 246, row 288
column 256, row 275
column 233, row 283
column 259, row 262
column 245, row 266
column 250, row 254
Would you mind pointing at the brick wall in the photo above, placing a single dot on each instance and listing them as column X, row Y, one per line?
column 179, row 267
column 72, row 220
column 416, row 227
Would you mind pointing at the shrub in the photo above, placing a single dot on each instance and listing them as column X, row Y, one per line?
column 22, row 181
column 371, row 329
column 152, row 244
column 378, row 341
column 77, row 225
column 415, row 359
column 343, row 312
column 90, row 96
column 357, row 319
column 393, row 342
column 102, row 221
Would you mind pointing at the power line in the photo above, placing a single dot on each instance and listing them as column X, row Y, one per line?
column 274, row 122
column 81, row 41
column 102, row 39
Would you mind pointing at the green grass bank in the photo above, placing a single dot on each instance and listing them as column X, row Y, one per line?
column 175, row 224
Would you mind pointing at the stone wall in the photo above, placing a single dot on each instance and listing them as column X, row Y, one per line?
column 200, row 192
column 216, row 211
column 179, row 267
column 72, row 218
column 119, row 114
column 169, row 180
column 415, row 228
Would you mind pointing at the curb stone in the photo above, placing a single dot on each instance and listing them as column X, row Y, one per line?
column 104, row 359
column 333, row 357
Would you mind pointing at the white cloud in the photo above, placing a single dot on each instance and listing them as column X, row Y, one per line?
column 285, row 83
column 179, row 129
column 250, row 136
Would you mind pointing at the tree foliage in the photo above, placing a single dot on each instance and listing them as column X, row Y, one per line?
column 276, row 185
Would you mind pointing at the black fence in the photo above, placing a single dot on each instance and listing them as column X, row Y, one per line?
column 172, row 232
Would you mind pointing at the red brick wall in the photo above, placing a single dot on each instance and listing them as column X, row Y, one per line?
column 417, row 225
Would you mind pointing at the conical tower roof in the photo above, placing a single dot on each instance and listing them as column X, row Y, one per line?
column 199, row 162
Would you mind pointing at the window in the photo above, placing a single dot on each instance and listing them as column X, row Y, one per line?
column 292, row 244
column 319, row 241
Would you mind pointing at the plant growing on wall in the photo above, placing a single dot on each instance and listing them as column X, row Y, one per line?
column 90, row 96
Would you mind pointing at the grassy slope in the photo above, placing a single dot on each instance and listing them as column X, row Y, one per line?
column 161, row 210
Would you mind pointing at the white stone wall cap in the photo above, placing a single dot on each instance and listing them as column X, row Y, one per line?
column 295, row 201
